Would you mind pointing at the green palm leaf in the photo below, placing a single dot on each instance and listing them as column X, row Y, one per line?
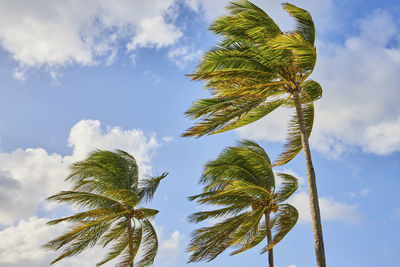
column 245, row 197
column 106, row 183
column 305, row 24
column 286, row 218
column 294, row 145
column 288, row 187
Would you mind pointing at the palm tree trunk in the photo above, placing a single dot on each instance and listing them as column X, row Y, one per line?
column 130, row 243
column 312, row 186
column 269, row 238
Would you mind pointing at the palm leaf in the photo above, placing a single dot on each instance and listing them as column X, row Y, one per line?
column 148, row 186
column 208, row 242
column 288, row 187
column 150, row 244
column 118, row 247
column 294, row 145
column 304, row 22
column 255, row 239
column 287, row 216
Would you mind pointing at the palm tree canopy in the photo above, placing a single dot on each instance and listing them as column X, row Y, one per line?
column 107, row 185
column 241, row 182
column 254, row 69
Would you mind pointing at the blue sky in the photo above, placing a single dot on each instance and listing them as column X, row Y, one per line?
column 76, row 75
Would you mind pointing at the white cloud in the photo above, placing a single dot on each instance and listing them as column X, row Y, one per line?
column 292, row 265
column 278, row 181
column 271, row 128
column 22, row 246
column 154, row 32
column 169, row 250
column 29, row 176
column 360, row 81
column 58, row 33
column 331, row 210
column 87, row 135
column 182, row 55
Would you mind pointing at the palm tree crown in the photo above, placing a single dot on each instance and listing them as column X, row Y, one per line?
column 241, row 182
column 255, row 69
column 107, row 184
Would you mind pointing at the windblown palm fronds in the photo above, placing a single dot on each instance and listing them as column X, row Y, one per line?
column 255, row 69
column 251, row 206
column 107, row 185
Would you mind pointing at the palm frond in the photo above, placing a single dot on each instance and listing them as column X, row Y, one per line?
column 310, row 91
column 115, row 231
column 231, row 210
column 255, row 239
column 304, row 22
column 216, row 198
column 287, row 216
column 150, row 244
column 81, row 237
column 208, row 242
column 288, row 187
column 245, row 196
column 106, row 183
column 142, row 213
column 248, row 229
column 253, row 115
column 304, row 53
column 148, row 186
column 220, row 116
column 85, row 199
column 118, row 247
column 246, row 162
column 88, row 215
column 294, row 145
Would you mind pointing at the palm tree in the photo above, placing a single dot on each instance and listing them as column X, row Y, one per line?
column 107, row 184
column 242, row 183
column 254, row 69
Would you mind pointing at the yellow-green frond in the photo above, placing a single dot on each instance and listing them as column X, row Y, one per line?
column 286, row 218
column 304, row 22
column 294, row 145
column 288, row 186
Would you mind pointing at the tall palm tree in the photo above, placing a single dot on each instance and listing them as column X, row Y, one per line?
column 107, row 184
column 251, row 206
column 253, row 70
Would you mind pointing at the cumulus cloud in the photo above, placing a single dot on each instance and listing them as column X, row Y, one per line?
column 29, row 176
column 170, row 249
column 182, row 55
column 331, row 210
column 22, row 246
column 58, row 33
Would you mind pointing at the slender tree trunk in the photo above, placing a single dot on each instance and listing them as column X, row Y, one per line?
column 312, row 186
column 269, row 238
column 130, row 243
